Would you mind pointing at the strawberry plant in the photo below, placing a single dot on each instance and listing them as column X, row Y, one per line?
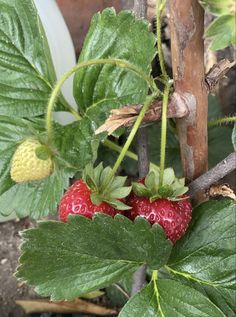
column 107, row 229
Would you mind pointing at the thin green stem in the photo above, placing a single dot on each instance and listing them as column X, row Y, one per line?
column 130, row 138
column 115, row 147
column 220, row 121
column 113, row 61
column 164, row 130
column 110, row 144
column 74, row 112
column 161, row 80
column 154, row 275
column 160, row 5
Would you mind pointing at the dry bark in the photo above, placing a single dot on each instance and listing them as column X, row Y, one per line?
column 187, row 46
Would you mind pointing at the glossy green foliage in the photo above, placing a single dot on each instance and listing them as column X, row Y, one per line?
column 36, row 199
column 167, row 298
column 222, row 29
column 207, row 252
column 89, row 254
column 100, row 88
column 26, row 69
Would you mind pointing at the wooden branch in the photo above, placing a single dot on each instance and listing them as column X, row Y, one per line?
column 213, row 175
column 187, row 48
column 178, row 107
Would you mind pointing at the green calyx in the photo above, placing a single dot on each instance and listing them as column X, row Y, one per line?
column 172, row 188
column 102, row 191
column 43, row 153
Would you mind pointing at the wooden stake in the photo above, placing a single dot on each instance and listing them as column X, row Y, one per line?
column 187, row 46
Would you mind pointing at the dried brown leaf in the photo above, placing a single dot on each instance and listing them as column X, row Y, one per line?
column 76, row 306
column 222, row 190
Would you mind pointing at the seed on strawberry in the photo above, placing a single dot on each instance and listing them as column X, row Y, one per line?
column 30, row 162
column 92, row 194
column 166, row 205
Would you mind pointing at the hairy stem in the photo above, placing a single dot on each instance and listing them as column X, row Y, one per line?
column 160, row 5
column 220, row 121
column 115, row 147
column 130, row 138
column 113, row 61
column 164, row 130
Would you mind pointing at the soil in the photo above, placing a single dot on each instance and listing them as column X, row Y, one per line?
column 10, row 288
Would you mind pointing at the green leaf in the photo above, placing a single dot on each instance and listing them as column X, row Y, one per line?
column 234, row 137
column 117, row 204
column 100, row 88
column 206, row 253
column 169, row 176
column 26, row 69
column 76, row 142
column 13, row 216
column 141, row 190
column 222, row 298
column 219, row 137
column 143, row 304
column 96, row 199
column 180, row 191
column 120, row 192
column 90, row 254
column 219, row 7
column 116, row 297
column 176, row 297
column 168, row 298
column 222, row 32
column 118, row 182
column 151, row 181
column 36, row 199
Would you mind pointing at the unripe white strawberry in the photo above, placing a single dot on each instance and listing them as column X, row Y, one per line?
column 28, row 166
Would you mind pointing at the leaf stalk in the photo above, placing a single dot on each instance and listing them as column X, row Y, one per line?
column 114, row 61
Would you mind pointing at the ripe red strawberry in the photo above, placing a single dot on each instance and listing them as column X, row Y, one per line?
column 90, row 195
column 165, row 205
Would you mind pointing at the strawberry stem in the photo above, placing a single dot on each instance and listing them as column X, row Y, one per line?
column 113, row 61
column 160, row 5
column 115, row 147
column 130, row 138
column 164, row 130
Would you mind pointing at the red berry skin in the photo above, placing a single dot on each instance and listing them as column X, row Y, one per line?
column 76, row 201
column 173, row 216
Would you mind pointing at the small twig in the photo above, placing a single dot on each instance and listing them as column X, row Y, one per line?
column 142, row 150
column 122, row 290
column 213, row 175
column 139, row 280
column 217, row 72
